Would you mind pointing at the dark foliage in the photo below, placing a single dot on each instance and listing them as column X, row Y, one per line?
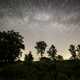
column 45, row 59
column 41, row 46
column 28, row 58
column 61, row 70
column 72, row 51
column 59, row 57
column 78, row 50
column 52, row 52
column 11, row 44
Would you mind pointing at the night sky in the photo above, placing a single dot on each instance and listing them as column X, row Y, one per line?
column 54, row 21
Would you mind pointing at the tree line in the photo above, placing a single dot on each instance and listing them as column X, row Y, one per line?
column 12, row 44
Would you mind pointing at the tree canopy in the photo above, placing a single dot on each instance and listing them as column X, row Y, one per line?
column 52, row 52
column 11, row 44
column 78, row 50
column 41, row 46
column 72, row 50
column 28, row 58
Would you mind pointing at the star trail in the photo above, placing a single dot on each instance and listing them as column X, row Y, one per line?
column 54, row 21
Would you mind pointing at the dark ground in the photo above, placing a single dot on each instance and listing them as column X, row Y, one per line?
column 60, row 70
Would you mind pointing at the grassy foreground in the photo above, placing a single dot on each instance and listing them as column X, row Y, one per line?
column 41, row 70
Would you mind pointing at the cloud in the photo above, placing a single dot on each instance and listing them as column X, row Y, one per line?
column 42, row 17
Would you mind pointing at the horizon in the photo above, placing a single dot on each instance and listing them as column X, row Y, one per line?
column 37, row 56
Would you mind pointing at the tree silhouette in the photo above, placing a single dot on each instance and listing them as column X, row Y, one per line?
column 78, row 50
column 59, row 57
column 52, row 52
column 28, row 58
column 41, row 46
column 11, row 44
column 45, row 59
column 72, row 51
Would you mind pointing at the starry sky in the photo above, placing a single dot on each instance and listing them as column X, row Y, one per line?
column 54, row 21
